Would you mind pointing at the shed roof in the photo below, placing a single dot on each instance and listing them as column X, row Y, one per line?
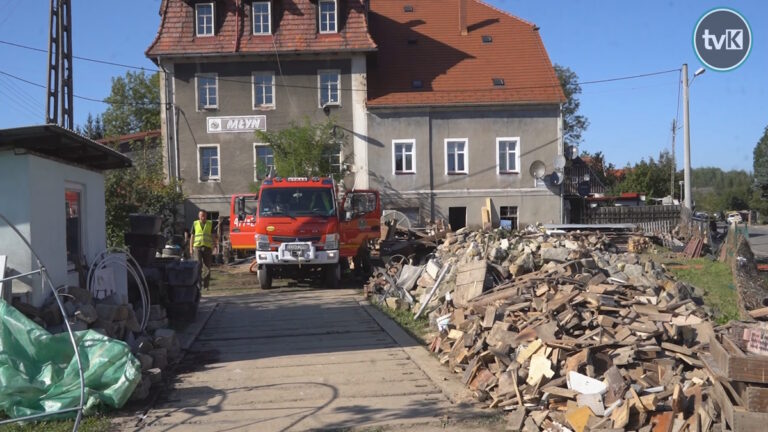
column 63, row 144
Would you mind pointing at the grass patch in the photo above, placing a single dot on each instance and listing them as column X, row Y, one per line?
column 418, row 328
column 97, row 423
column 232, row 280
column 714, row 278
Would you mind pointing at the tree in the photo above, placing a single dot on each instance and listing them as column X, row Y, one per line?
column 574, row 124
column 650, row 178
column 605, row 172
column 307, row 149
column 760, row 164
column 92, row 129
column 134, row 104
column 139, row 189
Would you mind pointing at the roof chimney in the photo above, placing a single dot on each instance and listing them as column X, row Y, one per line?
column 463, row 17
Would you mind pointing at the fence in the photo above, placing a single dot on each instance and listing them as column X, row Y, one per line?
column 650, row 218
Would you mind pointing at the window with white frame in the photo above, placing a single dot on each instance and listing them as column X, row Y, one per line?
column 329, row 84
column 403, row 160
column 508, row 155
column 262, row 17
column 508, row 217
column 327, row 16
column 456, row 156
column 208, row 162
column 263, row 90
column 204, row 19
column 263, row 160
column 207, row 91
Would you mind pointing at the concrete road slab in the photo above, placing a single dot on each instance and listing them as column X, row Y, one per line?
column 305, row 360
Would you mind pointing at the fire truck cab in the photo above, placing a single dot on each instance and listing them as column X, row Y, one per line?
column 303, row 226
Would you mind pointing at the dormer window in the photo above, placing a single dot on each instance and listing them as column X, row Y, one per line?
column 262, row 18
column 204, row 19
column 328, row 14
column 498, row 82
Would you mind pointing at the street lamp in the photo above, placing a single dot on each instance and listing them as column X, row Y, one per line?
column 687, row 134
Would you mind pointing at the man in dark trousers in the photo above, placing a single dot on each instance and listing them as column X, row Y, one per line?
column 203, row 243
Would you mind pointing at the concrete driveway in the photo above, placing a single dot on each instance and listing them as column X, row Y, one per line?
column 290, row 360
column 758, row 240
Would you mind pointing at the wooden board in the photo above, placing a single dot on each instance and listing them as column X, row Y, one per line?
column 737, row 417
column 738, row 366
column 470, row 282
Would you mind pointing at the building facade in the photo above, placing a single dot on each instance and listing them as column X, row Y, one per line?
column 447, row 104
column 232, row 68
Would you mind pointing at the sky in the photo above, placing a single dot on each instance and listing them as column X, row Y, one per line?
column 629, row 120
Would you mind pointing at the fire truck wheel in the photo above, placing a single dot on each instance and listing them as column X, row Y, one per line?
column 332, row 276
column 265, row 277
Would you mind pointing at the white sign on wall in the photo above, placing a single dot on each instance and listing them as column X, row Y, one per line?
column 237, row 124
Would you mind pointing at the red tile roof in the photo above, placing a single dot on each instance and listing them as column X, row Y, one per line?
column 427, row 45
column 295, row 30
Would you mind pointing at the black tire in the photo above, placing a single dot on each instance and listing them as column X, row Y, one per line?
column 265, row 277
column 332, row 276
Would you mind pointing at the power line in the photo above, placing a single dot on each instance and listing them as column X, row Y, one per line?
column 81, row 97
column 403, row 89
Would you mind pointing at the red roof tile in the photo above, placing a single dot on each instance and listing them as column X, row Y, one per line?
column 427, row 45
column 295, row 30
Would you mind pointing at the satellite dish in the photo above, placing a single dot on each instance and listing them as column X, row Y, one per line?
column 393, row 215
column 556, row 178
column 538, row 169
column 559, row 162
column 571, row 152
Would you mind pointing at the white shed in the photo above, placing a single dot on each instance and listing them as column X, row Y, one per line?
column 52, row 190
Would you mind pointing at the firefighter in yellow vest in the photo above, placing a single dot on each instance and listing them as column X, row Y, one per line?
column 202, row 246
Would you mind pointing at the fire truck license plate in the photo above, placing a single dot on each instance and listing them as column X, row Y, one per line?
column 297, row 247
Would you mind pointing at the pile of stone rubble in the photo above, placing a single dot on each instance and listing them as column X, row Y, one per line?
column 155, row 347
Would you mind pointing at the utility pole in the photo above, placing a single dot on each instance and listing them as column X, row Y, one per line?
column 674, row 163
column 686, row 140
column 58, row 109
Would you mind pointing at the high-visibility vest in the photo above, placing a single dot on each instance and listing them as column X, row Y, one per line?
column 203, row 236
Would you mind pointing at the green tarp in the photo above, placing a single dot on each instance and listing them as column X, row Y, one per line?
column 39, row 373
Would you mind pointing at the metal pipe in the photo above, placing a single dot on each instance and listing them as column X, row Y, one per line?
column 10, row 278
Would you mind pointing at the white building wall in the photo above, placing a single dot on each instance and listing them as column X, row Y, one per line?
column 14, row 205
column 39, row 185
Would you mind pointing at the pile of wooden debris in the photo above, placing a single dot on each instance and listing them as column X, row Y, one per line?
column 567, row 333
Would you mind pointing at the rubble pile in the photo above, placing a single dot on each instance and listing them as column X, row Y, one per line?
column 155, row 348
column 564, row 331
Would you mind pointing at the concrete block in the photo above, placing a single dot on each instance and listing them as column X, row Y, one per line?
column 86, row 313
column 145, row 360
column 159, row 357
column 107, row 312
column 164, row 338
column 155, row 375
column 154, row 325
column 142, row 390
column 83, row 296
column 156, row 313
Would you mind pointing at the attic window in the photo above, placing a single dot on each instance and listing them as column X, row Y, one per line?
column 412, row 41
column 487, row 39
column 498, row 82
column 417, row 84
column 407, row 8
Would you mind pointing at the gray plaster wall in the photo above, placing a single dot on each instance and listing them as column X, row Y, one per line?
column 432, row 191
column 296, row 98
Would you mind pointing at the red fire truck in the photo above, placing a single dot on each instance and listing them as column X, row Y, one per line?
column 303, row 226
column 242, row 222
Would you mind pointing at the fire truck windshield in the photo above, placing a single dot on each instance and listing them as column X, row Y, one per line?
column 297, row 201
